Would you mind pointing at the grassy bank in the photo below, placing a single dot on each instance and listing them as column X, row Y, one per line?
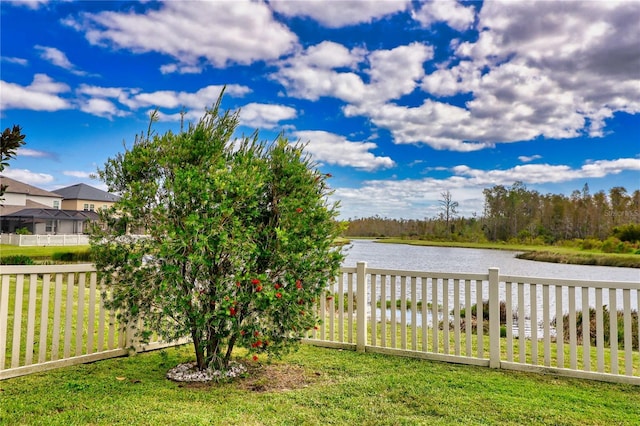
column 581, row 258
column 541, row 253
column 331, row 387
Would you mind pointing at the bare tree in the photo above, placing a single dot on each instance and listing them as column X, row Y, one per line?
column 449, row 208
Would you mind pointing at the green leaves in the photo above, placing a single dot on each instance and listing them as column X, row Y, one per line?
column 231, row 230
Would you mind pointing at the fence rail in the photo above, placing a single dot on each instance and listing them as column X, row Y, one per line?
column 53, row 315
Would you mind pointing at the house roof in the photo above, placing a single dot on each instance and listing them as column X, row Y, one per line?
column 83, row 191
column 50, row 214
column 7, row 210
column 17, row 187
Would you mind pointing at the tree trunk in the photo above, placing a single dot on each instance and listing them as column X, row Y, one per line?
column 231, row 344
column 200, row 358
column 213, row 354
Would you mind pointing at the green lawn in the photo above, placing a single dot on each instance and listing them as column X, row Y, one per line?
column 342, row 387
column 39, row 252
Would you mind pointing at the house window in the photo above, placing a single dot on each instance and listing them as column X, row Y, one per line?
column 86, row 207
column 50, row 226
column 56, row 205
column 92, row 207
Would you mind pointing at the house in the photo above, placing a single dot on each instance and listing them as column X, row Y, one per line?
column 42, row 212
column 82, row 197
column 19, row 194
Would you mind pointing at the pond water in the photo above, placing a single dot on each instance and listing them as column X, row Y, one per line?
column 453, row 259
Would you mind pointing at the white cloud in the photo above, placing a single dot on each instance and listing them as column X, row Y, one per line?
column 265, row 115
column 100, row 101
column 55, row 56
column 105, row 92
column 112, row 102
column 436, row 124
column 449, row 11
column 40, row 95
column 193, row 33
column 342, row 12
column 546, row 173
column 27, row 176
column 528, row 159
column 27, row 152
column 78, row 174
column 335, row 149
column 15, row 60
column 173, row 99
column 538, row 69
column 101, row 108
column 417, row 198
column 550, row 69
column 31, row 4
column 310, row 74
column 180, row 69
column 319, row 71
column 59, row 59
column 408, row 198
column 394, row 73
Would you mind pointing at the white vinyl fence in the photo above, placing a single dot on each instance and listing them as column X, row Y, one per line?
column 586, row 329
column 45, row 240
column 53, row 316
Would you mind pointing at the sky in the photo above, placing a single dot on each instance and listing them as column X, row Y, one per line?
column 399, row 101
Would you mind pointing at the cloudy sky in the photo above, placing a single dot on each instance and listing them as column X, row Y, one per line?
column 398, row 100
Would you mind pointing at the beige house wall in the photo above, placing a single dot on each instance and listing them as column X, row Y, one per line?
column 80, row 205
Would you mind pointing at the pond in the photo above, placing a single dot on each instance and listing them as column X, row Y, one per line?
column 454, row 259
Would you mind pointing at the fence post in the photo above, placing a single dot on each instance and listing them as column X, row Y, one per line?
column 361, row 306
column 494, row 318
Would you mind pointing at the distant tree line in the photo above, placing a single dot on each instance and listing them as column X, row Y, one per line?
column 520, row 214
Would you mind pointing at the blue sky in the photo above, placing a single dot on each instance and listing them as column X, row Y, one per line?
column 399, row 100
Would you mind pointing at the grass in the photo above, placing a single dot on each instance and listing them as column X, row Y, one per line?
column 39, row 252
column 342, row 387
column 524, row 347
column 554, row 254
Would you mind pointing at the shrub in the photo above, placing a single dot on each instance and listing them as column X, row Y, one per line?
column 605, row 327
column 611, row 245
column 485, row 317
column 82, row 256
column 17, row 259
column 629, row 232
column 485, row 311
column 590, row 244
column 240, row 239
